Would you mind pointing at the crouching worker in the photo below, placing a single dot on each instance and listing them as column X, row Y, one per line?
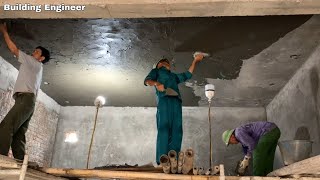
column 259, row 141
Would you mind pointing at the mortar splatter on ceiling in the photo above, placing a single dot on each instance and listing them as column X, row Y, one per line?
column 111, row 57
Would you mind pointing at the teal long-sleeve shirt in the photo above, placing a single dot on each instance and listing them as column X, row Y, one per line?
column 168, row 79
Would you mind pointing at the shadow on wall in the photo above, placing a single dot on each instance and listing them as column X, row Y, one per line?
column 314, row 80
column 302, row 133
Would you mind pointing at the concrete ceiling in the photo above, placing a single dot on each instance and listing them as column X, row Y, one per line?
column 253, row 57
column 159, row 8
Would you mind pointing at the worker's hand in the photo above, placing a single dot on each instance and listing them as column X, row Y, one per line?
column 198, row 57
column 160, row 87
column 243, row 165
column 3, row 27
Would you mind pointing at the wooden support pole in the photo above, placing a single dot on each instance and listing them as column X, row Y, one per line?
column 90, row 173
column 222, row 174
column 139, row 169
column 9, row 172
column 24, row 167
column 92, row 136
column 210, row 135
column 34, row 174
column 307, row 166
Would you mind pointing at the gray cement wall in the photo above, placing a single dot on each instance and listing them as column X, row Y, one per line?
column 296, row 108
column 43, row 125
column 128, row 135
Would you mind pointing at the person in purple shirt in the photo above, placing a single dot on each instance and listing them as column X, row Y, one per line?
column 259, row 140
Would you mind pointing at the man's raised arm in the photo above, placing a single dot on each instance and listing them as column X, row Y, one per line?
column 12, row 47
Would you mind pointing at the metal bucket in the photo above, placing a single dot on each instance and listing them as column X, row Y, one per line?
column 295, row 150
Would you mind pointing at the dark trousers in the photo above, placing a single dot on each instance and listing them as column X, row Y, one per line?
column 15, row 125
column 263, row 155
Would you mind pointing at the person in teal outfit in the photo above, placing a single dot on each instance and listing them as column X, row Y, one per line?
column 169, row 104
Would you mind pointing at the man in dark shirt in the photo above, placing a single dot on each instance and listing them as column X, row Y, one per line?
column 259, row 139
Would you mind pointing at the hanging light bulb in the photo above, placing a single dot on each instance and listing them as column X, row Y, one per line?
column 209, row 90
column 99, row 101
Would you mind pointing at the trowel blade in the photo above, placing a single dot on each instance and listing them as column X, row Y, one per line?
column 171, row 92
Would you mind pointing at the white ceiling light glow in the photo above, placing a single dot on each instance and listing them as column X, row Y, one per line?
column 71, row 137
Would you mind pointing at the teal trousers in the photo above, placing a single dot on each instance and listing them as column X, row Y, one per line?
column 15, row 125
column 169, row 125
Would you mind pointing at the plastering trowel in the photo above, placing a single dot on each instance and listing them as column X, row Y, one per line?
column 171, row 92
column 238, row 167
column 199, row 52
